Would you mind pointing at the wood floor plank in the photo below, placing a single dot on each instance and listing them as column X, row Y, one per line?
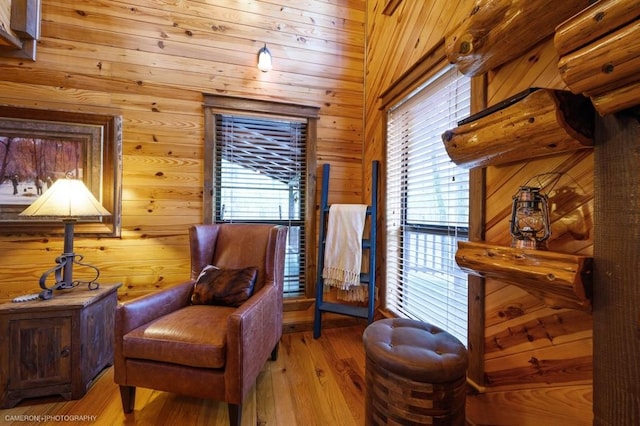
column 265, row 406
column 327, row 382
column 343, row 350
column 313, row 382
column 302, row 376
column 284, row 406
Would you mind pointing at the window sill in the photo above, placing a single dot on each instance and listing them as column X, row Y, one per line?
column 560, row 280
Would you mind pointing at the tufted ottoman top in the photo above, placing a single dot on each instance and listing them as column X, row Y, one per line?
column 415, row 350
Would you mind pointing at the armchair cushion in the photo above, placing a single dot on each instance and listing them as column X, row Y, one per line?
column 225, row 287
column 194, row 336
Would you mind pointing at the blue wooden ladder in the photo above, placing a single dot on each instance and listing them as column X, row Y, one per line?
column 369, row 243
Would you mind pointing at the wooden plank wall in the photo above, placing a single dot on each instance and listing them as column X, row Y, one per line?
column 538, row 361
column 150, row 61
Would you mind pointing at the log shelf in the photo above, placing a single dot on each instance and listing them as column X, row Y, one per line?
column 531, row 124
column 560, row 280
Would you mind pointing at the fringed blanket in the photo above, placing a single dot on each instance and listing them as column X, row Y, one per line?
column 343, row 248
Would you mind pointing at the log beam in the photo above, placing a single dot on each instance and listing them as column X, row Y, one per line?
column 498, row 31
column 605, row 63
column 599, row 52
column 619, row 99
column 600, row 18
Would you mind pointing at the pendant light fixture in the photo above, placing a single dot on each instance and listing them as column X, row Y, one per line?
column 264, row 59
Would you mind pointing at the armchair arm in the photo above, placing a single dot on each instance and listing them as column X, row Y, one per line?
column 134, row 313
column 253, row 331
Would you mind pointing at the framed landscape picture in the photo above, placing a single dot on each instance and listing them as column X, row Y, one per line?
column 37, row 147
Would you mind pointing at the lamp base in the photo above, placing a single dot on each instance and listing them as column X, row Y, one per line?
column 63, row 275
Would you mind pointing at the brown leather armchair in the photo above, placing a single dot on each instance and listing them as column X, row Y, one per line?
column 164, row 342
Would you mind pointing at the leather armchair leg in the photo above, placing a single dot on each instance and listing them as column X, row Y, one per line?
column 128, row 396
column 235, row 414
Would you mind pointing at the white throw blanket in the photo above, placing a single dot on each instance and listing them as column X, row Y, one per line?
column 343, row 246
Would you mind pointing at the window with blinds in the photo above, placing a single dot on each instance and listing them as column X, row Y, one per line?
column 427, row 205
column 259, row 177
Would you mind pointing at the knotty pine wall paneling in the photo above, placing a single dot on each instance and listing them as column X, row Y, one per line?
column 150, row 61
column 537, row 361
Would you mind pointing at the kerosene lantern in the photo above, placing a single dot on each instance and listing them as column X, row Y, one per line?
column 530, row 227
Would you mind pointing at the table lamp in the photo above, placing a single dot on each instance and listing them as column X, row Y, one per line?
column 68, row 200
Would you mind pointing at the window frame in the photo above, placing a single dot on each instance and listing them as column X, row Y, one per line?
column 215, row 104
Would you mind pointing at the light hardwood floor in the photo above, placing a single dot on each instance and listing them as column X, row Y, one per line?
column 313, row 382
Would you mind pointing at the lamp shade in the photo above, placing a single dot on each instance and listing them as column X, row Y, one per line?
column 67, row 198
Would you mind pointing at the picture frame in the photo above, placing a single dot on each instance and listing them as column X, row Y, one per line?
column 39, row 146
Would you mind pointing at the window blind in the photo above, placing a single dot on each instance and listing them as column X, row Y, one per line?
column 260, row 169
column 427, row 205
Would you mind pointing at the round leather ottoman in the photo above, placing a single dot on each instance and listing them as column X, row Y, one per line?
column 415, row 374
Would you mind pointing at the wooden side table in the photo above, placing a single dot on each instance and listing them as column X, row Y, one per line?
column 56, row 346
